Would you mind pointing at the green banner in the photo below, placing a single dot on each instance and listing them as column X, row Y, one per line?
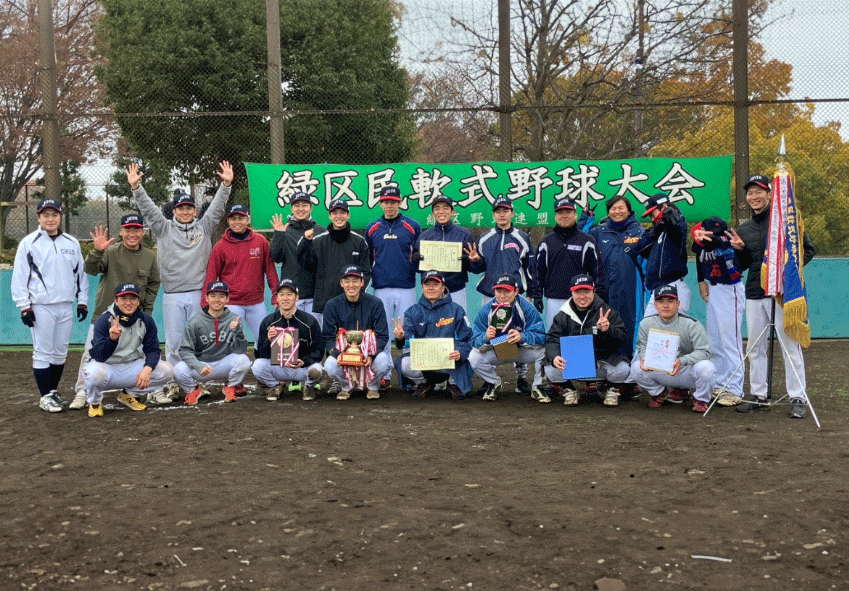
column 700, row 187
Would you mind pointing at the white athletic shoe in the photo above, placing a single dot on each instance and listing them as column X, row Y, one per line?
column 611, row 397
column 728, row 399
column 570, row 397
column 78, row 403
column 540, row 396
column 158, row 397
column 273, row 394
column 51, row 402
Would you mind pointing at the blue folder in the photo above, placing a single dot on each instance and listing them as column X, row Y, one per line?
column 580, row 357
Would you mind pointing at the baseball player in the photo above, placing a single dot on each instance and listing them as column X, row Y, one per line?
column 124, row 353
column 128, row 261
column 305, row 363
column 213, row 347
column 184, row 245
column 47, row 277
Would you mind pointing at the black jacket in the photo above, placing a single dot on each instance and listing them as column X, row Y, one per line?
column 569, row 322
column 311, row 342
column 367, row 313
column 284, row 250
column 564, row 253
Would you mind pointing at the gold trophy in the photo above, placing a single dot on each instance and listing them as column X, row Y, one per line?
column 353, row 356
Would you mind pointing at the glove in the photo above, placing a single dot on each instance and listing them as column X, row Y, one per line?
column 539, row 304
column 670, row 216
column 28, row 317
column 416, row 257
column 82, row 312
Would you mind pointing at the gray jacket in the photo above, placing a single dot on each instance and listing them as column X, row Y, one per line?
column 182, row 249
column 207, row 339
column 693, row 346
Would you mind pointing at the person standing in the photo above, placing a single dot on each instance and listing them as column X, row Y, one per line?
column 128, row 261
column 47, row 277
column 750, row 242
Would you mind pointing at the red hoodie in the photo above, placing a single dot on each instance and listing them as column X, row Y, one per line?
column 241, row 264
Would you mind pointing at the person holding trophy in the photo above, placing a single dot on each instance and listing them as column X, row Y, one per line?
column 355, row 333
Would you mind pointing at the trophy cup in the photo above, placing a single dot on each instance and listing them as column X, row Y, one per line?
column 353, row 356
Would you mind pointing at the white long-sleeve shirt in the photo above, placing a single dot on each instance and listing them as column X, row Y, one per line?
column 48, row 271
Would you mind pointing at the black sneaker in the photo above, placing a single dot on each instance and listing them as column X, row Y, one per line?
column 492, row 391
column 421, row 391
column 754, row 405
column 523, row 387
column 456, row 393
column 798, row 408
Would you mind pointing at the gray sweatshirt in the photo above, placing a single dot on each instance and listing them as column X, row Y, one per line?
column 208, row 339
column 182, row 249
column 693, row 346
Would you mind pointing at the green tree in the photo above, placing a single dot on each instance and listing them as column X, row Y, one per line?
column 189, row 58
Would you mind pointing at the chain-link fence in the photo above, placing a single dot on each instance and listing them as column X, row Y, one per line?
column 622, row 81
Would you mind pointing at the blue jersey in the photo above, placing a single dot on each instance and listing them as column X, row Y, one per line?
column 390, row 244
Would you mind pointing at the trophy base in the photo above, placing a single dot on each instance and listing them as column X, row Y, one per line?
column 352, row 359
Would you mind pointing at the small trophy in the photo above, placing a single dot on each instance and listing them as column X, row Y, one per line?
column 353, row 354
column 284, row 347
column 501, row 317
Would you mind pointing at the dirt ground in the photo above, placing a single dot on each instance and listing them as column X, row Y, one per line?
column 433, row 494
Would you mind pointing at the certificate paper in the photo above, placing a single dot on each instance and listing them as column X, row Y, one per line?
column 661, row 350
column 431, row 354
column 441, row 256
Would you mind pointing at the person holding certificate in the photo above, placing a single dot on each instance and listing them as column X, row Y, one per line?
column 436, row 316
column 508, row 329
column 586, row 314
column 687, row 367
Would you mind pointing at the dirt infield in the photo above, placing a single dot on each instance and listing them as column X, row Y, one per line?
column 427, row 495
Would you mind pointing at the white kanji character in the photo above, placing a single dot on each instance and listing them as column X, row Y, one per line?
column 290, row 183
column 475, row 186
column 626, row 183
column 579, row 186
column 525, row 180
column 676, row 183
column 376, row 181
column 337, row 185
column 427, row 186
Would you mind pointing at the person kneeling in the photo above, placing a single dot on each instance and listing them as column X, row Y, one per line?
column 586, row 314
column 351, row 363
column 299, row 362
column 124, row 353
column 511, row 319
column 213, row 347
column 436, row 316
column 692, row 367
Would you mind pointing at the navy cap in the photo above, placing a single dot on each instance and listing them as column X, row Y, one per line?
column 390, row 193
column 655, row 201
column 565, row 203
column 218, row 286
column 127, row 289
column 300, row 196
column 238, row 209
column 442, row 199
column 715, row 225
column 49, row 203
column 132, row 220
column 433, row 275
column 758, row 180
column 286, row 283
column 338, row 204
column 505, row 282
column 502, row 202
column 181, row 198
column 352, row 271
column 582, row 281
column 666, row 291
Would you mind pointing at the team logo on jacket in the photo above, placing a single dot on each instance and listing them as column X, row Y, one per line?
column 254, row 253
column 444, row 322
column 512, row 245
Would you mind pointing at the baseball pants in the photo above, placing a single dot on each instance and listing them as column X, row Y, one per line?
column 552, row 307
column 683, row 298
column 269, row 375
column 484, row 364
column 51, row 333
column 699, row 377
column 380, row 367
column 616, row 374
column 80, row 385
column 459, row 297
column 396, row 301
column 724, row 311
column 233, row 368
column 306, row 306
column 177, row 309
column 459, row 376
column 757, row 318
column 252, row 315
column 114, row 376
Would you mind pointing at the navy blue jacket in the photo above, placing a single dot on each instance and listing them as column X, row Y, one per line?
column 507, row 252
column 450, row 233
column 367, row 313
column 442, row 319
column 390, row 243
column 310, row 341
column 139, row 330
column 664, row 246
column 564, row 253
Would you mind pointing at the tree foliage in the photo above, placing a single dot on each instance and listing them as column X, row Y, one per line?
column 191, row 58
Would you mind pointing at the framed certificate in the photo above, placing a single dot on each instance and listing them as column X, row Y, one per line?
column 441, row 256
column 661, row 350
column 431, row 354
column 284, row 346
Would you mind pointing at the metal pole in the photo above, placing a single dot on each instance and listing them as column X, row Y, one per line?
column 275, row 92
column 771, row 357
column 740, row 18
column 49, row 109
column 504, row 96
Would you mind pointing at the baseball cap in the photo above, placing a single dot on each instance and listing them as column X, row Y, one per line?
column 502, row 202
column 287, row 284
column 300, row 196
column 581, row 281
column 442, row 199
column 238, row 209
column 51, row 203
column 433, row 275
column 132, row 220
column 655, row 201
column 352, row 271
column 338, row 204
column 505, row 282
column 218, row 286
column 666, row 291
column 181, row 198
column 715, row 225
column 390, row 193
column 759, row 180
column 565, row 203
column 127, row 289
